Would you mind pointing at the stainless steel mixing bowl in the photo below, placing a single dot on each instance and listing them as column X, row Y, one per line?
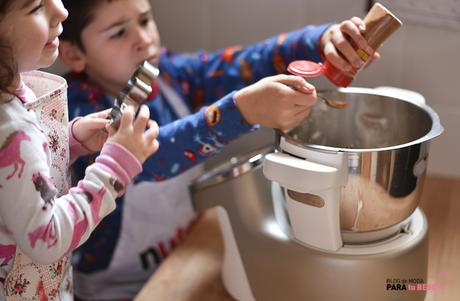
column 386, row 141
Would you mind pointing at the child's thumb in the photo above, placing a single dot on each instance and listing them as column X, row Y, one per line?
column 96, row 123
column 297, row 83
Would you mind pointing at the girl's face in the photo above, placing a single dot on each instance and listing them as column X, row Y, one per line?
column 31, row 28
column 121, row 35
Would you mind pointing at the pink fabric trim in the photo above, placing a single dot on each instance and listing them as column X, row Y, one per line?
column 76, row 148
column 25, row 94
column 120, row 161
column 115, row 168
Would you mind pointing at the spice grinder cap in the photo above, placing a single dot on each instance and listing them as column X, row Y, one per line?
column 311, row 69
column 306, row 68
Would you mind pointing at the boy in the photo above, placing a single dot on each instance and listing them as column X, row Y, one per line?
column 103, row 43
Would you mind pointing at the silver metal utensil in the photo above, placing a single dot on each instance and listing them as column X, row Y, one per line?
column 136, row 91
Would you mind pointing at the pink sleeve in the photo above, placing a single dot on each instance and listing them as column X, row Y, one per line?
column 114, row 158
column 41, row 221
column 118, row 161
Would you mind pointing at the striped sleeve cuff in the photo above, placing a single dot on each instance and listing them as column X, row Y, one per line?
column 119, row 161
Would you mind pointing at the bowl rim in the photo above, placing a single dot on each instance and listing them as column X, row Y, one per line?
column 436, row 128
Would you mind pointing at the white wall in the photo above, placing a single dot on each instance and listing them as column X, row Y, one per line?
column 426, row 59
column 211, row 24
column 418, row 57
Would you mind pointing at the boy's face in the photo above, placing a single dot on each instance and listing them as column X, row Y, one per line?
column 121, row 36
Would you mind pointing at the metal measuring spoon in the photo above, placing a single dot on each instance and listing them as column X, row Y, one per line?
column 333, row 103
column 307, row 69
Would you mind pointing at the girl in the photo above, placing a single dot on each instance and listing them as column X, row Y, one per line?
column 41, row 220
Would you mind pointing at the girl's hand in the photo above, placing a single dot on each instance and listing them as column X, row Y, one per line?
column 132, row 133
column 89, row 130
column 280, row 101
column 336, row 45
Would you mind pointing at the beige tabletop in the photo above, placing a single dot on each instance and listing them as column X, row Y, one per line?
column 192, row 271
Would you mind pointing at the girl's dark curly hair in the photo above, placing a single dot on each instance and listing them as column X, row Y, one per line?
column 8, row 66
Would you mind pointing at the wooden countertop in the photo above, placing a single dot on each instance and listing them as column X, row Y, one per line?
column 192, row 271
column 441, row 204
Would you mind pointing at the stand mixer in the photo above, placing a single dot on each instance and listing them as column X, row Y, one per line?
column 331, row 214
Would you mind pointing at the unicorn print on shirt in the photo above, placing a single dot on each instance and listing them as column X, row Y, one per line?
column 46, row 188
column 10, row 153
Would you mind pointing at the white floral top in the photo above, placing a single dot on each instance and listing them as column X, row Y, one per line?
column 41, row 220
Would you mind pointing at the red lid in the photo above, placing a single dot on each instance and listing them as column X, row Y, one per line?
column 312, row 69
column 306, row 68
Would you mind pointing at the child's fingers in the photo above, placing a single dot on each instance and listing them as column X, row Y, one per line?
column 152, row 126
column 295, row 82
column 353, row 30
column 127, row 117
column 298, row 84
column 96, row 123
column 299, row 117
column 154, row 146
column 110, row 129
column 299, row 109
column 302, row 114
column 332, row 55
column 359, row 23
column 142, row 119
column 102, row 114
column 346, row 49
column 153, row 130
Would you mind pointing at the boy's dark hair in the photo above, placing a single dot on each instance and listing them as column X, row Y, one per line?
column 8, row 66
column 80, row 16
column 4, row 5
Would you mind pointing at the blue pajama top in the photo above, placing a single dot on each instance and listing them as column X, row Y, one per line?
column 206, row 83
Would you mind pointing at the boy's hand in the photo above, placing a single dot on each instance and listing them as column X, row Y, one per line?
column 89, row 130
column 132, row 133
column 280, row 101
column 336, row 45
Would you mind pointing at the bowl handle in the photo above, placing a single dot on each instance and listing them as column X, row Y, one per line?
column 312, row 192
